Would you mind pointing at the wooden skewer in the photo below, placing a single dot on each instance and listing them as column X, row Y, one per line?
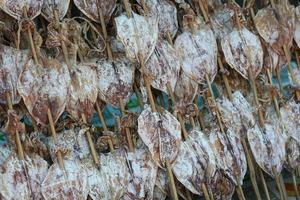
column 33, row 50
column 53, row 132
column 277, row 179
column 17, row 138
column 100, row 115
column 128, row 134
column 63, row 44
column 153, row 107
column 295, row 185
column 229, row 93
column 91, row 143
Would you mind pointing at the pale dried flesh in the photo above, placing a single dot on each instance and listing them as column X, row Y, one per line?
column 276, row 26
column 51, row 6
column 138, row 34
column 143, row 172
column 115, row 80
column 67, row 184
column 290, row 113
column 65, row 143
column 23, row 179
column 185, row 89
column 196, row 162
column 223, row 19
column 44, row 87
column 12, row 62
column 268, row 148
column 93, row 8
column 198, row 51
column 163, row 66
column 83, row 91
column 166, row 12
column 243, row 52
column 115, row 168
column 161, row 133
column 15, row 8
column 230, row 154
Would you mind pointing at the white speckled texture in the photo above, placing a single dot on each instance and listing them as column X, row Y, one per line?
column 166, row 12
column 68, row 184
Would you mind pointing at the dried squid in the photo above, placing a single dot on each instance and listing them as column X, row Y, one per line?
column 297, row 26
column 115, row 80
column 44, row 87
column 166, row 12
column 83, row 91
column 52, row 6
column 196, row 162
column 198, row 50
column 22, row 179
column 163, row 66
column 161, row 133
column 16, row 8
column 92, row 8
column 143, row 172
column 12, row 62
column 138, row 35
column 276, row 26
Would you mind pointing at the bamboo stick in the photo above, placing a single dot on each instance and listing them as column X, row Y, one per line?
column 265, row 187
column 32, row 46
column 91, row 143
column 17, row 138
column 53, row 132
column 100, row 115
